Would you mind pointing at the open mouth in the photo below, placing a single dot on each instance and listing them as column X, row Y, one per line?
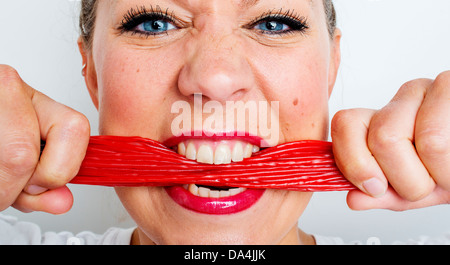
column 217, row 151
column 230, row 204
column 212, row 192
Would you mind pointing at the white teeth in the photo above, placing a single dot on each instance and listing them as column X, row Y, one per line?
column 248, row 151
column 191, row 153
column 205, row 154
column 222, row 155
column 193, row 189
column 203, row 192
column 238, row 153
column 216, row 153
column 209, row 193
column 224, row 193
column 236, row 191
column 182, row 149
column 255, row 149
column 214, row 193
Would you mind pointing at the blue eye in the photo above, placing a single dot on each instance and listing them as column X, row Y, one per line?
column 147, row 22
column 272, row 26
column 155, row 26
column 279, row 24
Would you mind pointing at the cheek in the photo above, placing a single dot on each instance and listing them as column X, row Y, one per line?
column 133, row 98
column 298, row 79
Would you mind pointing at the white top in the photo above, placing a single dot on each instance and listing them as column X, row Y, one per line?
column 423, row 240
column 15, row 232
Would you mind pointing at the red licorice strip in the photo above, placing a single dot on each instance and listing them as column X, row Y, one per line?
column 135, row 161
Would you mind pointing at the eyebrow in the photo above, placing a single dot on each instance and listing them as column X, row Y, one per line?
column 248, row 3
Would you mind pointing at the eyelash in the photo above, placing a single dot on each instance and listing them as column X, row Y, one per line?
column 295, row 22
column 135, row 17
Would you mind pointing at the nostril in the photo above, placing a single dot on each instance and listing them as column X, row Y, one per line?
column 217, row 76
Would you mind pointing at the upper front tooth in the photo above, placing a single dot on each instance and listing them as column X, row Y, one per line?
column 182, row 149
column 191, row 153
column 222, row 155
column 205, row 154
column 238, row 152
column 248, row 151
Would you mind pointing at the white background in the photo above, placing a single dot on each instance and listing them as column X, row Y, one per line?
column 386, row 43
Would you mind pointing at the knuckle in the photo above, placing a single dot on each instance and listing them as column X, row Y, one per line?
column 340, row 121
column 55, row 178
column 414, row 191
column 414, row 88
column 382, row 139
column 433, row 142
column 417, row 194
column 408, row 86
column 76, row 124
column 54, row 175
column 443, row 79
column 9, row 77
column 19, row 157
column 8, row 71
column 355, row 168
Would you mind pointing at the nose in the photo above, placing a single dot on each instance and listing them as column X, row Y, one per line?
column 215, row 67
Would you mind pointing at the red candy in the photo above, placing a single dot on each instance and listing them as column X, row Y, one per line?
column 135, row 161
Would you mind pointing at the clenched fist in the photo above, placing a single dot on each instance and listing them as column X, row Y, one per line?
column 30, row 181
column 399, row 155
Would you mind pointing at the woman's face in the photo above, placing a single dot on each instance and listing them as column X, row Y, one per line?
column 149, row 54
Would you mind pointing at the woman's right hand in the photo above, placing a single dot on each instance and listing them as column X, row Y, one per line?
column 30, row 181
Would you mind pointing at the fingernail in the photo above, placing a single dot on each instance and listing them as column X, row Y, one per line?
column 35, row 190
column 374, row 187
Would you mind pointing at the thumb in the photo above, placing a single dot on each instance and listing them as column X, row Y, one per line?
column 56, row 201
column 358, row 200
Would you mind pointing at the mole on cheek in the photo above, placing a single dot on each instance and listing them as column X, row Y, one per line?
column 295, row 102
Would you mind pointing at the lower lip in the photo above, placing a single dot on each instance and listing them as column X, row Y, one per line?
column 226, row 205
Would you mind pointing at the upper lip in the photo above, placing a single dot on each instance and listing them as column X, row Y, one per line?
column 216, row 136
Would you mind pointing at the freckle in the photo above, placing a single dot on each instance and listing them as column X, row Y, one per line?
column 138, row 70
column 295, row 102
column 313, row 125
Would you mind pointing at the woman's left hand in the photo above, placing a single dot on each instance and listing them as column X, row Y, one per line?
column 399, row 156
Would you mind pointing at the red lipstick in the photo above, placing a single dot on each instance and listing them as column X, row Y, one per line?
column 225, row 205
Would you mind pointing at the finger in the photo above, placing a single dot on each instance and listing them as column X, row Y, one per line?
column 19, row 136
column 66, row 133
column 57, row 201
column 390, row 139
column 432, row 137
column 359, row 201
column 349, row 130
